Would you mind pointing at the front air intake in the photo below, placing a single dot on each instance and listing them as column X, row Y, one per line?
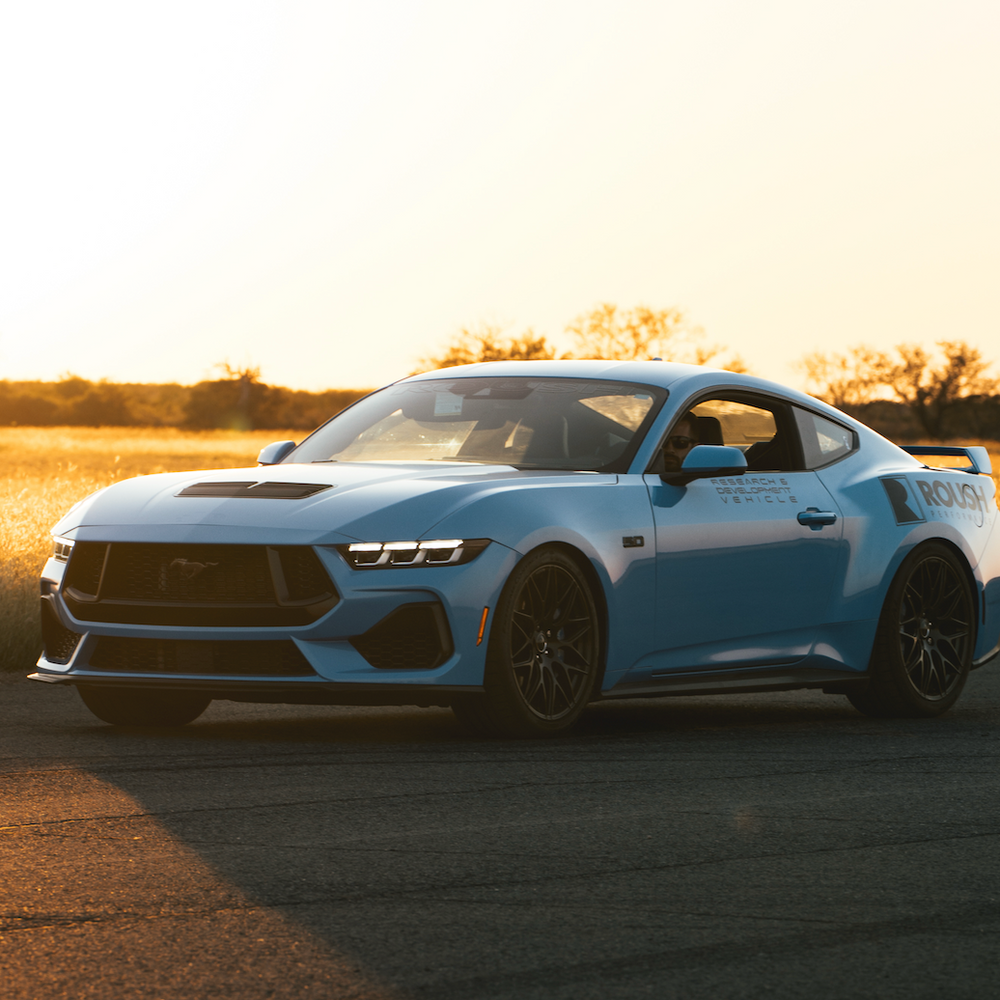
column 413, row 637
column 270, row 658
column 60, row 642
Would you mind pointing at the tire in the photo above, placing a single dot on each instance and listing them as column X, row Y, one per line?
column 544, row 659
column 926, row 635
column 129, row 707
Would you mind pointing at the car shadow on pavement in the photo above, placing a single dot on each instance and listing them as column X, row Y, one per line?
column 685, row 847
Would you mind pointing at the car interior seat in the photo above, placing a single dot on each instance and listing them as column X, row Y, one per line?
column 549, row 438
column 709, row 431
column 766, row 456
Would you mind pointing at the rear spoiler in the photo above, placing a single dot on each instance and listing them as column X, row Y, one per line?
column 977, row 456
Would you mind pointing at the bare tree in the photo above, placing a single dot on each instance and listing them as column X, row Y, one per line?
column 930, row 388
column 487, row 343
column 642, row 333
column 246, row 377
column 932, row 391
column 605, row 332
column 847, row 380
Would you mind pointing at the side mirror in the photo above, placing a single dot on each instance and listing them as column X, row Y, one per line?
column 273, row 453
column 705, row 461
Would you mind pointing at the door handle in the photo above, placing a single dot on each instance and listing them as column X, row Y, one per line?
column 816, row 518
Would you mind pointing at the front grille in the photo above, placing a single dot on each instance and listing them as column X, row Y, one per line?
column 413, row 637
column 201, row 574
column 182, row 656
column 86, row 564
column 60, row 642
column 201, row 585
column 304, row 574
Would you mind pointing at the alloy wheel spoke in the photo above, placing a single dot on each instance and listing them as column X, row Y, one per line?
column 550, row 694
column 918, row 675
column 911, row 652
column 568, row 694
column 539, row 684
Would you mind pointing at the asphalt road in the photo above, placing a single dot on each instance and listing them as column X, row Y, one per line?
column 760, row 846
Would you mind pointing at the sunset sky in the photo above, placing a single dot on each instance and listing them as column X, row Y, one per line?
column 329, row 190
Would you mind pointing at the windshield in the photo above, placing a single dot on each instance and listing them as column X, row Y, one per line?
column 530, row 423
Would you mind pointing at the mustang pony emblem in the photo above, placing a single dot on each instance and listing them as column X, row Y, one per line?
column 188, row 569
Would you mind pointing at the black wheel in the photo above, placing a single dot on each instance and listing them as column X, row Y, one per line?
column 128, row 707
column 545, row 654
column 926, row 635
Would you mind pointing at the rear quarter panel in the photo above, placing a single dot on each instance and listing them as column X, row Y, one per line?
column 891, row 504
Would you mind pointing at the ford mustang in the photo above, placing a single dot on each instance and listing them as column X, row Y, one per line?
column 516, row 540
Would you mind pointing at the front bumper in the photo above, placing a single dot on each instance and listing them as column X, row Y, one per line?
column 329, row 662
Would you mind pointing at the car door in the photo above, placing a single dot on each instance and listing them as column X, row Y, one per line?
column 745, row 565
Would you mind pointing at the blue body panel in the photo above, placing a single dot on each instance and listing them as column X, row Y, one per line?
column 692, row 581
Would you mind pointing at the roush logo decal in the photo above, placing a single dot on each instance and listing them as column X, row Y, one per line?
column 904, row 504
column 920, row 499
column 947, row 499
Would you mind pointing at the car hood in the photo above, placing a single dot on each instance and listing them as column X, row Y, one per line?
column 364, row 501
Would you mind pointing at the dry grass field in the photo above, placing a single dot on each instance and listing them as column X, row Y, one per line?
column 46, row 470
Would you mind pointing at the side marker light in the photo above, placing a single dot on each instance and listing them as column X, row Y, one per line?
column 482, row 626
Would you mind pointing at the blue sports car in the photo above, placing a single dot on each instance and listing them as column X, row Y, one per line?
column 518, row 539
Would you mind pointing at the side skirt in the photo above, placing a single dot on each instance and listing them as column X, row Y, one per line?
column 735, row 681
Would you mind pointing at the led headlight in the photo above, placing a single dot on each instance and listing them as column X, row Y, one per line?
column 433, row 552
column 61, row 548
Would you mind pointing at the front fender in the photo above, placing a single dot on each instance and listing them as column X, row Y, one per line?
column 607, row 519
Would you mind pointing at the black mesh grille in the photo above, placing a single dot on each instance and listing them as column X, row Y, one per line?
column 413, row 637
column 201, row 574
column 60, row 642
column 180, row 656
column 85, row 565
column 304, row 574
column 198, row 585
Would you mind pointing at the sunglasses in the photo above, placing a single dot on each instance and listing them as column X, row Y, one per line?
column 680, row 442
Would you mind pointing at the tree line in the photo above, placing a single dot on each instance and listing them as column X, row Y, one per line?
column 605, row 332
column 945, row 392
column 908, row 393
column 238, row 400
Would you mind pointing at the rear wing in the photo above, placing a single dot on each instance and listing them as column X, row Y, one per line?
column 977, row 456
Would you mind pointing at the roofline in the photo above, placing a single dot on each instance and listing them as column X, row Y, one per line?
column 661, row 373
column 665, row 374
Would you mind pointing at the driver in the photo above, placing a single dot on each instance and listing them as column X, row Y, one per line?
column 683, row 437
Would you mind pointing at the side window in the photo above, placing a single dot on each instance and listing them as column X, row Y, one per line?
column 823, row 441
column 756, row 430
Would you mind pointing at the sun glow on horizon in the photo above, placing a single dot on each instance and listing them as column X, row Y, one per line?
column 330, row 191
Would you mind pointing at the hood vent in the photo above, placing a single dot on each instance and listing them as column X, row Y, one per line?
column 255, row 490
